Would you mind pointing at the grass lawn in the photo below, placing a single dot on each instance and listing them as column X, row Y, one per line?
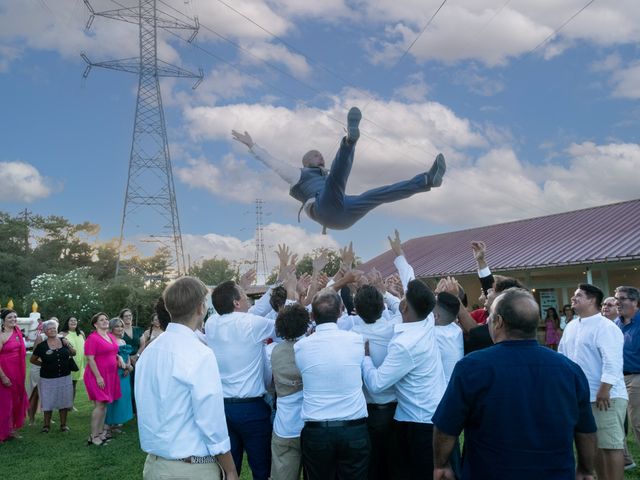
column 60, row 456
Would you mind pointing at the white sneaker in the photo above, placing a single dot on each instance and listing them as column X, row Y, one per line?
column 353, row 120
column 630, row 466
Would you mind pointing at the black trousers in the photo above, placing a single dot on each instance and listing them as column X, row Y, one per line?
column 415, row 442
column 340, row 452
column 384, row 451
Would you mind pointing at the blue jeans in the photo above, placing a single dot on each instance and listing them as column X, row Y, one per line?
column 249, row 426
column 337, row 211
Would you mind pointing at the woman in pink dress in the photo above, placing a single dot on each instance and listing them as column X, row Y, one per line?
column 552, row 329
column 13, row 396
column 101, row 377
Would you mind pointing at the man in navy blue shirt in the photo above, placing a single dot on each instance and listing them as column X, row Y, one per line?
column 521, row 405
column 627, row 299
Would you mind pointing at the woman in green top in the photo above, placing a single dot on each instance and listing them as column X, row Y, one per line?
column 131, row 336
column 76, row 338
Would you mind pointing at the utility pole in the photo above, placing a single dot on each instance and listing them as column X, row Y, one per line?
column 260, row 260
column 26, row 213
column 150, row 197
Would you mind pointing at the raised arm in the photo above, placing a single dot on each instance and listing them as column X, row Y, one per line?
column 288, row 173
column 404, row 269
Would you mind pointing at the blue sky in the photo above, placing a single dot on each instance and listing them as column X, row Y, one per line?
column 525, row 132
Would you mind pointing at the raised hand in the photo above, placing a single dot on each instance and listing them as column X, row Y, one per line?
column 347, row 255
column 320, row 261
column 375, row 279
column 396, row 244
column 394, row 285
column 303, row 283
column 284, row 254
column 243, row 138
column 479, row 253
column 247, row 278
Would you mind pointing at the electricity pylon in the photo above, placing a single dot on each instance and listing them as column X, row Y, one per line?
column 260, row 259
column 150, row 193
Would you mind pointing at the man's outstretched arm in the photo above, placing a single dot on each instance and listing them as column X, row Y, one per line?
column 289, row 174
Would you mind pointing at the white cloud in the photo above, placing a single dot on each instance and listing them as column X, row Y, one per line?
column 7, row 56
column 268, row 52
column 234, row 249
column 500, row 187
column 23, row 183
column 415, row 90
column 626, row 81
column 479, row 30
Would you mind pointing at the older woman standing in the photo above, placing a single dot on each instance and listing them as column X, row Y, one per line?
column 101, row 377
column 76, row 337
column 56, row 389
column 121, row 410
column 13, row 397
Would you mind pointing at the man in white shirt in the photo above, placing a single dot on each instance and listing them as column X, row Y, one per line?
column 335, row 440
column 237, row 338
column 595, row 343
column 180, row 411
column 381, row 406
column 413, row 366
column 448, row 332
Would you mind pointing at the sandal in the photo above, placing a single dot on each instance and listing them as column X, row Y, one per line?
column 64, row 428
column 95, row 440
column 44, row 429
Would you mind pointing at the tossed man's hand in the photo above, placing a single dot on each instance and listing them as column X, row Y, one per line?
column 243, row 138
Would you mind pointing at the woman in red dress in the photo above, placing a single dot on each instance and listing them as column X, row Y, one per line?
column 13, row 396
column 101, row 377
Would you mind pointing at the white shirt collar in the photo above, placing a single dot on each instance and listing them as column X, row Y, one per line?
column 180, row 329
column 326, row 326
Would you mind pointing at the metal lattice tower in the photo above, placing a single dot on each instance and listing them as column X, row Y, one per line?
column 260, row 259
column 150, row 198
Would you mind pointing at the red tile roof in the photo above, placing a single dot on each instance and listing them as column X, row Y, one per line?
column 525, row 244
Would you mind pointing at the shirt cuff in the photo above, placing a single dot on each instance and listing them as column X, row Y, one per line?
column 610, row 379
column 484, row 272
column 219, row 448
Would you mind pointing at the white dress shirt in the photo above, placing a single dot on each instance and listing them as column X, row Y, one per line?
column 451, row 346
column 378, row 334
column 405, row 271
column 237, row 340
column 414, row 367
column 288, row 422
column 180, row 410
column 329, row 361
column 595, row 343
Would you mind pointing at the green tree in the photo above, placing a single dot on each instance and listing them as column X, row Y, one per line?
column 305, row 264
column 73, row 293
column 214, row 271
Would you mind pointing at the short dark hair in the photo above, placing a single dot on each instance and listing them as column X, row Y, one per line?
column 519, row 312
column 326, row 306
column 95, row 318
column 163, row 315
column 420, row 298
column 224, row 295
column 123, row 311
column 278, row 298
column 592, row 292
column 507, row 282
column 292, row 321
column 369, row 303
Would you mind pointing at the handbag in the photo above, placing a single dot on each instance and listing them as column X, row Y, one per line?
column 73, row 366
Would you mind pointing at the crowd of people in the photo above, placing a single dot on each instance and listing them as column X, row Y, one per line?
column 61, row 356
column 353, row 377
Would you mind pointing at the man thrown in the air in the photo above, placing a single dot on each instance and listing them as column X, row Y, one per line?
column 322, row 192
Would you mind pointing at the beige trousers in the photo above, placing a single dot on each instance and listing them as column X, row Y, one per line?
column 158, row 468
column 286, row 458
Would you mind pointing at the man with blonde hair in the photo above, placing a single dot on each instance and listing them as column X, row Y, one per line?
column 180, row 411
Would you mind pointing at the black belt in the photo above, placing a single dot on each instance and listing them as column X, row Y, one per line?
column 242, row 400
column 382, row 406
column 336, row 423
column 630, row 373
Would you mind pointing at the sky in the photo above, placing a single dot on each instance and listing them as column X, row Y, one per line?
column 535, row 111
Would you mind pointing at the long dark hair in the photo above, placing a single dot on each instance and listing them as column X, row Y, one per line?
column 65, row 326
column 555, row 318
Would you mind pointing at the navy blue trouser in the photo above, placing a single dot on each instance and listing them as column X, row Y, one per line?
column 249, row 426
column 338, row 211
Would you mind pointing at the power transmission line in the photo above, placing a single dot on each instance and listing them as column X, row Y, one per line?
column 420, row 34
column 554, row 33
